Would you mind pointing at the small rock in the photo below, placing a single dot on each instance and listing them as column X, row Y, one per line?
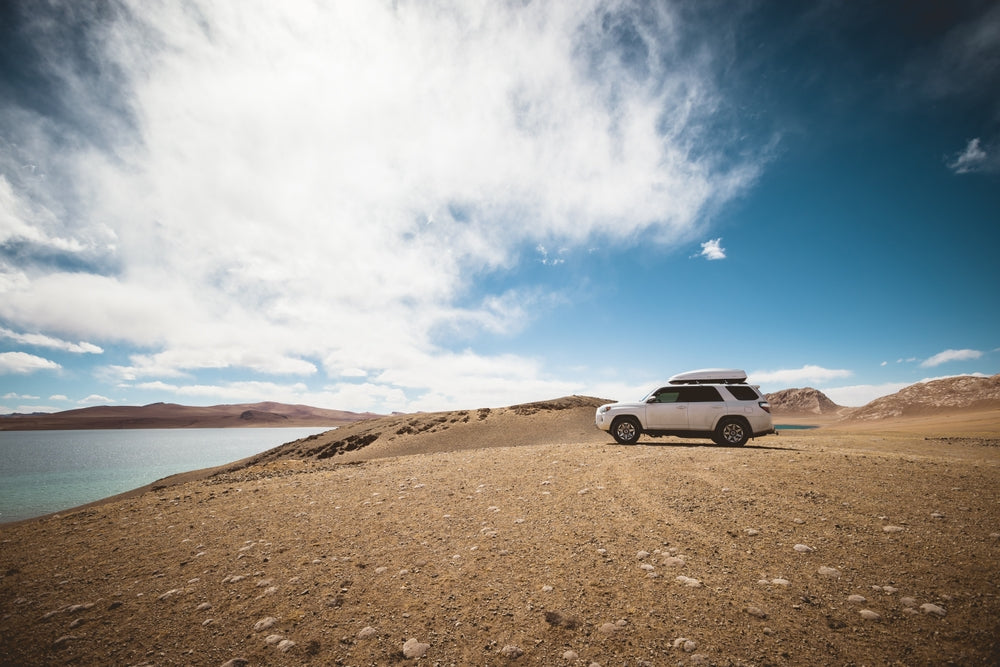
column 642, row 555
column 869, row 615
column 831, row 572
column 171, row 593
column 756, row 611
column 751, row 531
column 803, row 549
column 273, row 639
column 647, row 567
column 414, row 649
column 673, row 561
column 932, row 609
column 781, row 582
column 511, row 652
column 857, row 599
column 908, row 602
column 285, row 645
column 204, row 606
column 264, row 623
column 687, row 645
column 608, row 628
column 571, row 655
column 236, row 662
column 366, row 632
column 892, row 529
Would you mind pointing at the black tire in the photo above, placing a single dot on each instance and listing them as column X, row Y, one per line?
column 626, row 430
column 732, row 432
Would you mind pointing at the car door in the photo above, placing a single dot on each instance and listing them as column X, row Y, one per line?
column 665, row 411
column 704, row 407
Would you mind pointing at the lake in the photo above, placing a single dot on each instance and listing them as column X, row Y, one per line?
column 49, row 471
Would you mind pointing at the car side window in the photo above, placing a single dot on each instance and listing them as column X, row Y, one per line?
column 700, row 394
column 742, row 392
column 667, row 395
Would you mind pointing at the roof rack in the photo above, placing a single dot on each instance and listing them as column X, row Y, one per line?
column 711, row 376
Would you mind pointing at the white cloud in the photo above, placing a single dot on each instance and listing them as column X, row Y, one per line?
column 96, row 399
column 792, row 377
column 41, row 340
column 712, row 249
column 22, row 363
column 854, row 396
column 950, row 355
column 324, row 185
column 973, row 158
column 23, row 397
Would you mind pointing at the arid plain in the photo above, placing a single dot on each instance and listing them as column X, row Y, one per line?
column 525, row 536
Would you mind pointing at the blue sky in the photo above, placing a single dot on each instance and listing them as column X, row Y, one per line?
column 433, row 205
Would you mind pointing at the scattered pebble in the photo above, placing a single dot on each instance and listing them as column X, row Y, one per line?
column 869, row 615
column 780, row 582
column 204, row 606
column 751, row 531
column 512, row 652
column 273, row 639
column 171, row 593
column 642, row 555
column 414, row 649
column 366, row 632
column 647, row 567
column 857, row 599
column 831, row 572
column 932, row 609
column 571, row 655
column 264, row 623
column 908, row 602
column 285, row 645
column 688, row 581
column 756, row 611
column 672, row 561
column 688, row 645
column 892, row 529
column 608, row 628
column 803, row 549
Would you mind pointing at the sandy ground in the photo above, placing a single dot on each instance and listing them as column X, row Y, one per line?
column 825, row 547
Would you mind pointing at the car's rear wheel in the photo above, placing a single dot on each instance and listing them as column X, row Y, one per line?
column 626, row 430
column 732, row 432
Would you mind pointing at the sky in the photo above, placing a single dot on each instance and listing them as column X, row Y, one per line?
column 430, row 205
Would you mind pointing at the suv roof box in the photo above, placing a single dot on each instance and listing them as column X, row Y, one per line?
column 711, row 376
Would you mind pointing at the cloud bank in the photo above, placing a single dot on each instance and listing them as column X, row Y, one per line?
column 311, row 190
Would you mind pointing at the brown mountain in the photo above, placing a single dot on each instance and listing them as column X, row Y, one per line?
column 805, row 401
column 961, row 394
column 170, row 415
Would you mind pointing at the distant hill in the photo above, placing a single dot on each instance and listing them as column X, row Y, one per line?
column 805, row 401
column 950, row 395
column 170, row 415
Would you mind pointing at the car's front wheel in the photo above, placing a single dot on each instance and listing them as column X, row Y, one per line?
column 626, row 430
column 732, row 432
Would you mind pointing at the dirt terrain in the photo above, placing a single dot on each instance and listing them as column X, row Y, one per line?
column 524, row 536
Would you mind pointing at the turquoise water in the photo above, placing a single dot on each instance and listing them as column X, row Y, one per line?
column 48, row 471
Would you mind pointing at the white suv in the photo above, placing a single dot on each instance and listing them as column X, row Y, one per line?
column 714, row 403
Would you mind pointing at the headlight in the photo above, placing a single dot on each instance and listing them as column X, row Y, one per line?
column 603, row 409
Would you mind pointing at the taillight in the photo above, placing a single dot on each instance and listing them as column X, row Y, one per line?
column 765, row 406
